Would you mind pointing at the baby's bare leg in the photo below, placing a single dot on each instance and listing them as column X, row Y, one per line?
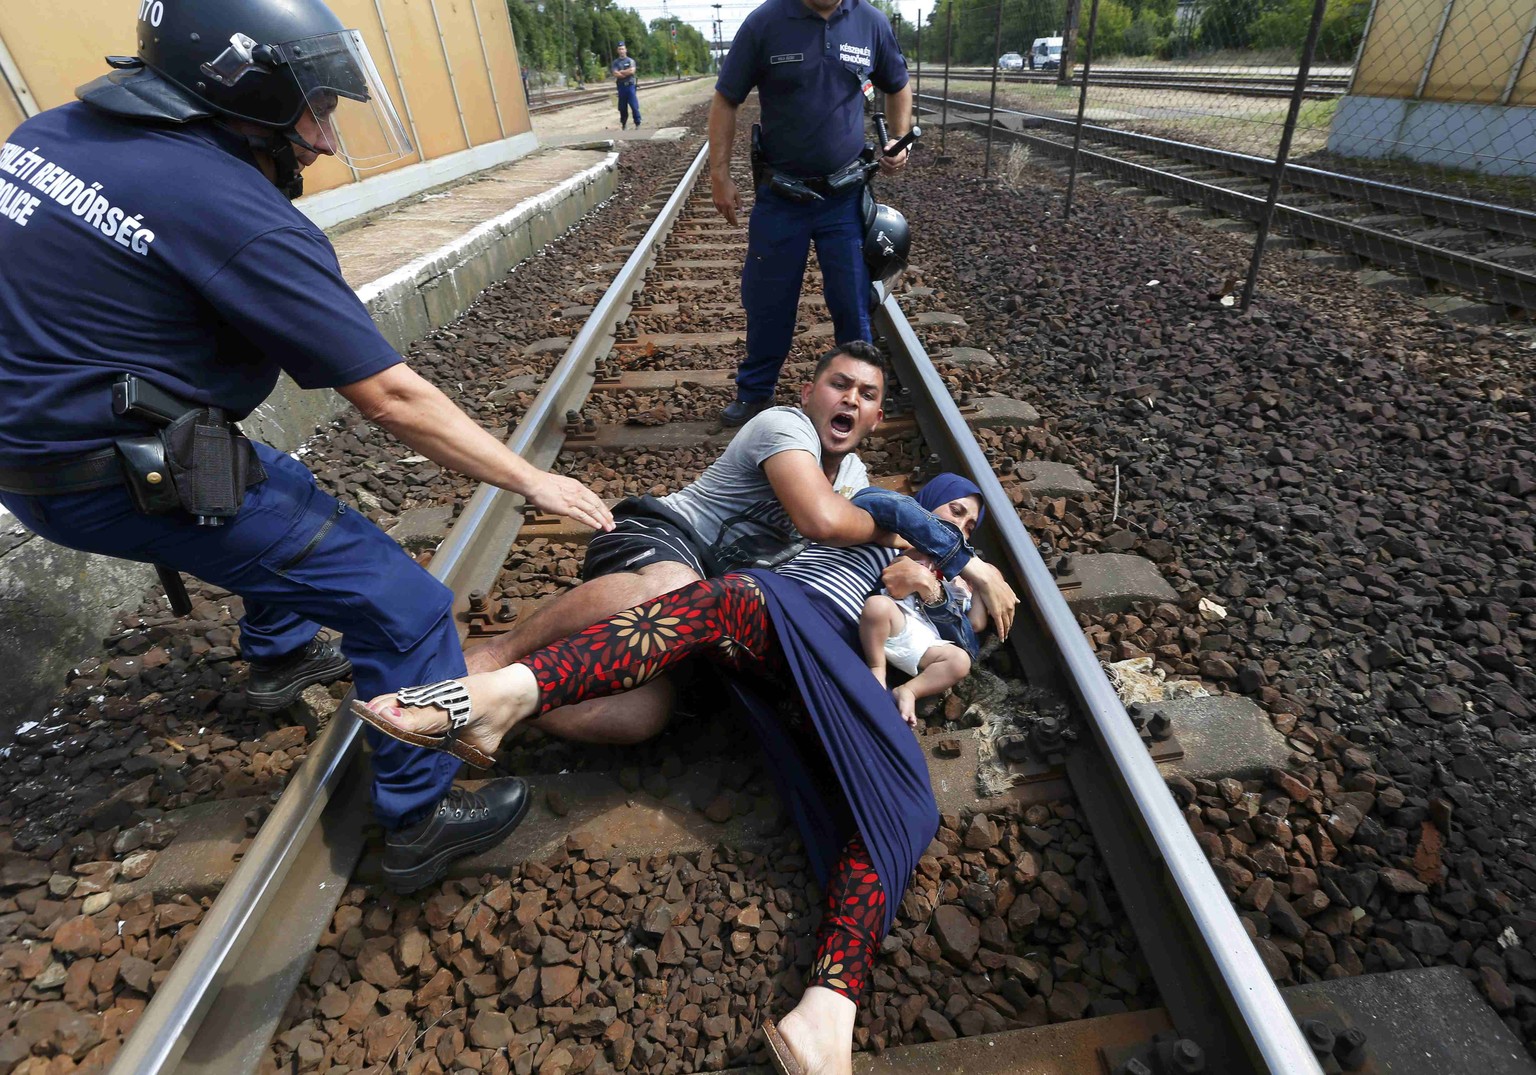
column 940, row 669
column 880, row 619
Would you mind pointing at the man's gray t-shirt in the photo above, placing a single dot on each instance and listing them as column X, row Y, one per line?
column 733, row 499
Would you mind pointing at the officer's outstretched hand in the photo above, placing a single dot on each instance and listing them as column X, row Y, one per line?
column 726, row 196
column 559, row 495
column 891, row 165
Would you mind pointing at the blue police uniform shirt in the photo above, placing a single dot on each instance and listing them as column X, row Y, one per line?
column 624, row 68
column 160, row 251
column 810, row 73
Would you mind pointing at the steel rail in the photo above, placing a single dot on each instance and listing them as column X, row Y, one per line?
column 175, row 1033
column 575, row 97
column 1490, row 280
column 1323, row 87
column 1213, row 983
column 1467, row 212
column 1235, row 76
column 550, row 405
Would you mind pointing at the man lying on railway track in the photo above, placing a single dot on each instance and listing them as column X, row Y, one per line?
column 785, row 479
column 158, row 282
column 848, row 769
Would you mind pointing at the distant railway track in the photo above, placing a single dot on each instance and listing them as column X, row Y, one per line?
column 1319, row 87
column 566, row 98
column 1477, row 248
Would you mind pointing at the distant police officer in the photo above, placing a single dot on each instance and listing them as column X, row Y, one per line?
column 623, row 71
column 814, row 63
column 153, row 281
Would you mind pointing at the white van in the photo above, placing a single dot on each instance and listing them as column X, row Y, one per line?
column 1045, row 54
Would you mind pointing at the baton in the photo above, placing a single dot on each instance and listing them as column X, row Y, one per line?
column 175, row 589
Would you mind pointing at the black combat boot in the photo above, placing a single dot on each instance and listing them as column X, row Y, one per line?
column 464, row 822
column 275, row 684
column 740, row 411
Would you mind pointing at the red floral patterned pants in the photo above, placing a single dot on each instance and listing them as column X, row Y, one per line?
column 726, row 622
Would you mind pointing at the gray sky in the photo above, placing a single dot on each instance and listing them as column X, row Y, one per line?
column 701, row 13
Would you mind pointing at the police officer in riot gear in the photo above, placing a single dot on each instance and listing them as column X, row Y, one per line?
column 814, row 63
column 154, row 280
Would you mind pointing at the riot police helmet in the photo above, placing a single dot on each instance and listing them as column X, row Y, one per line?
column 887, row 242
column 260, row 62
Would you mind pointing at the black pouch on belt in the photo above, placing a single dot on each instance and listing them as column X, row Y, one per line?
column 759, row 162
column 211, row 464
column 148, row 475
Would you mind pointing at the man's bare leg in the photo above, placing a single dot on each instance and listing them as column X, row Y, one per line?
column 621, row 720
column 576, row 609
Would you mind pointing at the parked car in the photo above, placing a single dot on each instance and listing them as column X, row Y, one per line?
column 1045, row 54
column 1010, row 61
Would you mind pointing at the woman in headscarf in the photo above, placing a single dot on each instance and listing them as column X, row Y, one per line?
column 849, row 770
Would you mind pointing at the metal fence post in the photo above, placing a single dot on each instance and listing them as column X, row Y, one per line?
column 1082, row 104
column 949, row 39
column 1307, row 51
column 997, row 43
column 1069, row 42
column 918, row 47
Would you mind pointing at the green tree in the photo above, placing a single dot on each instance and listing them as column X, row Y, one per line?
column 1109, row 34
column 1229, row 24
column 1285, row 27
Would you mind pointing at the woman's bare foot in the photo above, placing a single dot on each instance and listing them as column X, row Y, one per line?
column 906, row 704
column 498, row 701
column 819, row 1032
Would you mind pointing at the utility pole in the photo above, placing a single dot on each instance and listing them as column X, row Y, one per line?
column 1069, row 43
column 719, row 31
column 668, row 21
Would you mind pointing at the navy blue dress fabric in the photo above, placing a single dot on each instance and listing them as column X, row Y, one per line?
column 883, row 791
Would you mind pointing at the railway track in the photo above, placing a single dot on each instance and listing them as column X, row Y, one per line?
column 1476, row 248
column 1319, row 87
column 566, row 98
column 228, row 993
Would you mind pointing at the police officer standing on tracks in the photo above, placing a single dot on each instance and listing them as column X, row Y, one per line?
column 814, row 63
column 154, row 279
column 623, row 71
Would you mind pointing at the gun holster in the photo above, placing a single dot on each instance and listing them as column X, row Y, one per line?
column 211, row 464
column 791, row 189
column 148, row 475
column 758, row 161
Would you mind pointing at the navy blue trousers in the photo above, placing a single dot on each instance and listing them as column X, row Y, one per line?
column 629, row 97
column 299, row 559
column 779, row 237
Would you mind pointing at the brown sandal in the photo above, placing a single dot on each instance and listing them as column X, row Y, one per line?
column 451, row 697
column 784, row 1061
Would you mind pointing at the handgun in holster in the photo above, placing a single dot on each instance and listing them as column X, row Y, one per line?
column 759, row 162
column 197, row 460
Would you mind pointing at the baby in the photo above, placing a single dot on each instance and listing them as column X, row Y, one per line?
column 929, row 636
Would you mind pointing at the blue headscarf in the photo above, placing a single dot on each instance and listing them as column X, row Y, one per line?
column 943, row 488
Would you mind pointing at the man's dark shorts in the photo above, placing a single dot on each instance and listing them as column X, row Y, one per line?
column 644, row 532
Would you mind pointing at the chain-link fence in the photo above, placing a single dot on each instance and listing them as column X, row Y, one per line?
column 1401, row 131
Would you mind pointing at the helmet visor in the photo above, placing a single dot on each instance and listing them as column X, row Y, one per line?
column 352, row 114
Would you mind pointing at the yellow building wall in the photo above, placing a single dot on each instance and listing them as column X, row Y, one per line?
column 506, row 68
column 1525, row 89
column 1482, row 43
column 1397, row 47
column 10, row 111
column 1479, row 50
column 55, row 55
